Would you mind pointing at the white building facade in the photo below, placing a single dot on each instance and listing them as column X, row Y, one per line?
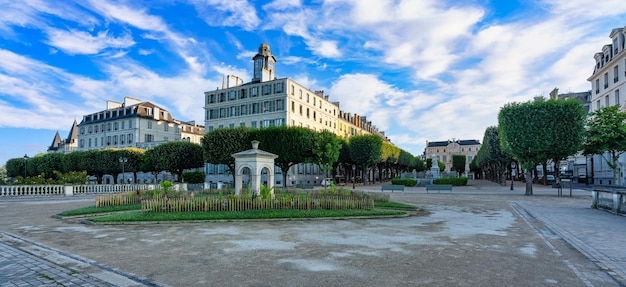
column 607, row 89
column 269, row 101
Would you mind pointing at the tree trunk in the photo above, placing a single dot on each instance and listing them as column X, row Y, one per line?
column 529, row 183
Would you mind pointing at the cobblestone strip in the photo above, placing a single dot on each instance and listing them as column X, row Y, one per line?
column 613, row 268
column 27, row 263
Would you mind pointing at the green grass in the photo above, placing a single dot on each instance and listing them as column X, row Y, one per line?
column 96, row 210
column 248, row 214
column 394, row 205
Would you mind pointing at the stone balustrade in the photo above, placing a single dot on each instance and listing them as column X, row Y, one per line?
column 609, row 199
column 70, row 190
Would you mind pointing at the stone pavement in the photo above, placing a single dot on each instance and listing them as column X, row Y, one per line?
column 480, row 235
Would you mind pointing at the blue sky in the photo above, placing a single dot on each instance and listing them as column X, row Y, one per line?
column 419, row 70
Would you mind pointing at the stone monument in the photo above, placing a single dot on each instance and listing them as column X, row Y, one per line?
column 434, row 169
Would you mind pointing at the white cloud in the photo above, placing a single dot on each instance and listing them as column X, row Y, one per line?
column 283, row 4
column 233, row 13
column 79, row 42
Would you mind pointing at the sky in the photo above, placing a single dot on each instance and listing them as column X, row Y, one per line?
column 420, row 70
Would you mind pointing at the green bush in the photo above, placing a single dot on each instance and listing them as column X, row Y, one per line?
column 456, row 181
column 193, row 177
column 404, row 181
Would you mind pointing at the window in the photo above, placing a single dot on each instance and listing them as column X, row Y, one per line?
column 90, row 130
column 222, row 98
column 597, row 86
column 280, row 106
column 81, row 143
column 149, row 138
column 166, row 127
column 243, row 109
column 108, row 140
column 280, row 122
column 122, row 139
column 242, row 124
column 116, row 125
column 242, row 94
column 597, row 104
column 307, row 97
column 232, row 95
column 89, row 142
column 300, row 109
column 222, row 113
column 231, row 125
column 122, row 125
column 266, row 89
column 166, row 139
column 130, row 124
column 279, row 87
column 606, row 100
column 233, row 111
column 149, row 125
column 253, row 124
column 615, row 74
column 293, row 106
column 300, row 92
column 114, row 140
column 82, row 131
column 617, row 102
column 255, row 108
column 102, row 141
column 211, row 98
column 606, row 80
column 293, row 89
column 254, row 92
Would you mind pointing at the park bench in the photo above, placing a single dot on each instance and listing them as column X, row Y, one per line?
column 304, row 186
column 391, row 187
column 438, row 187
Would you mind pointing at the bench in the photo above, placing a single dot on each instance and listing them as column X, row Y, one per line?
column 392, row 187
column 439, row 187
column 304, row 186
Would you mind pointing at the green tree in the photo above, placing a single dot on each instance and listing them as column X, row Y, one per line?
column 365, row 150
column 458, row 163
column 293, row 145
column 175, row 157
column 491, row 157
column 220, row 144
column 420, row 165
column 325, row 149
column 606, row 136
column 533, row 132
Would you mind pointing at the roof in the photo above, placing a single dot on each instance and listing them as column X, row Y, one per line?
column 446, row 143
column 55, row 142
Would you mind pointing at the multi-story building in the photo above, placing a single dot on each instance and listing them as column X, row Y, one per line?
column 607, row 82
column 133, row 123
column 445, row 149
column 67, row 145
column 270, row 101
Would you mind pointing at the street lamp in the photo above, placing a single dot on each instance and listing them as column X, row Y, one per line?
column 353, row 175
column 123, row 160
column 512, row 176
column 25, row 163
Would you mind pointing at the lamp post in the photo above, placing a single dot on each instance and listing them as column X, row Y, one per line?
column 353, row 175
column 123, row 160
column 25, row 163
column 512, row 176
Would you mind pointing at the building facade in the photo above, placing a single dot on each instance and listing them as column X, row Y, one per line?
column 607, row 89
column 66, row 145
column 444, row 150
column 269, row 101
column 133, row 123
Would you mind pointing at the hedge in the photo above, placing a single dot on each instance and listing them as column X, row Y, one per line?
column 404, row 181
column 456, row 181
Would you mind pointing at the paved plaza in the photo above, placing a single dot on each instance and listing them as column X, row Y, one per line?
column 480, row 235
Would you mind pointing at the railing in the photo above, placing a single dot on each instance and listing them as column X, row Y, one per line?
column 609, row 199
column 70, row 190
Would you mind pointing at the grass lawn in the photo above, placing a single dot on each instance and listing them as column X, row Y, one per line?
column 247, row 214
column 96, row 210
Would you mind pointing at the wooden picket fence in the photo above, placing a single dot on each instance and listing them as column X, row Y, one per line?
column 240, row 204
column 117, row 199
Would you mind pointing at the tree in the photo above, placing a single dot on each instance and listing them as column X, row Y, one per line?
column 365, row 150
column 176, row 157
column 606, row 136
column 325, row 150
column 293, row 145
column 491, row 157
column 533, row 132
column 458, row 163
column 220, row 144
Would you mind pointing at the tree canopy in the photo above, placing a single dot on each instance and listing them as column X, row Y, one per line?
column 606, row 136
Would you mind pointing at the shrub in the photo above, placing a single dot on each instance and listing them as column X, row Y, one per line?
column 193, row 177
column 404, row 181
column 456, row 181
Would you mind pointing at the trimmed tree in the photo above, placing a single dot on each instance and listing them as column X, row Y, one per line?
column 365, row 150
column 176, row 157
column 220, row 144
column 458, row 163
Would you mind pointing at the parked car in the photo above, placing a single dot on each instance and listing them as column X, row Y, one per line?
column 550, row 178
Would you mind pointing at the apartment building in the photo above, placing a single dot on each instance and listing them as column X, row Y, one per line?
column 133, row 123
column 445, row 149
column 270, row 101
column 607, row 89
